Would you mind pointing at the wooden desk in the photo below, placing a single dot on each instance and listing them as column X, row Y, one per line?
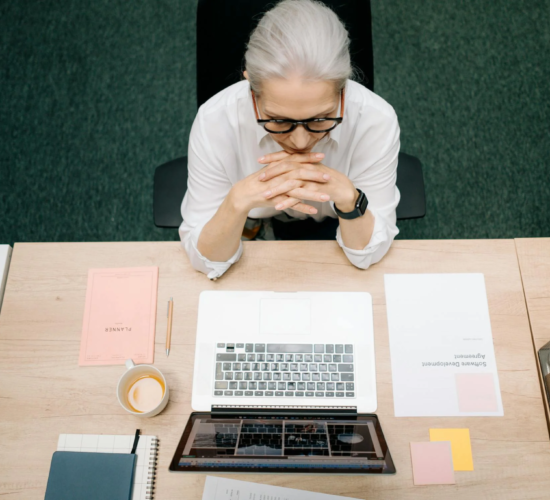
column 534, row 262
column 43, row 391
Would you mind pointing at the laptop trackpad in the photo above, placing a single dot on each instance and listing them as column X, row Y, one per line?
column 285, row 316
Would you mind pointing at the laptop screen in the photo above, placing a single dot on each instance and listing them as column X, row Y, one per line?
column 283, row 444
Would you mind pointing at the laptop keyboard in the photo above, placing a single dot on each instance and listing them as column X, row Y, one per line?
column 284, row 370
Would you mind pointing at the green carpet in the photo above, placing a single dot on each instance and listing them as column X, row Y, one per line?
column 94, row 95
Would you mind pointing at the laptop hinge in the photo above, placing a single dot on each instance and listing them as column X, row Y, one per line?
column 284, row 410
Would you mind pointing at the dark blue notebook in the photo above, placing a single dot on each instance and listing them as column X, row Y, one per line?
column 76, row 475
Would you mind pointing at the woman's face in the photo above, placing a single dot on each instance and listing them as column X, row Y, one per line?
column 297, row 100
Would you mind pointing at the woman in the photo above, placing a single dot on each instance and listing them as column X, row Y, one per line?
column 247, row 158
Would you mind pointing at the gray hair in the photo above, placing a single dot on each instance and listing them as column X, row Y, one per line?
column 299, row 37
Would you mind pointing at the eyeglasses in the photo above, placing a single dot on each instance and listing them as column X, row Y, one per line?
column 315, row 125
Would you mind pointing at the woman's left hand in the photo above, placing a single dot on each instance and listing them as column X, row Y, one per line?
column 284, row 165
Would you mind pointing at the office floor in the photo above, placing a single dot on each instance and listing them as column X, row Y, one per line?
column 95, row 95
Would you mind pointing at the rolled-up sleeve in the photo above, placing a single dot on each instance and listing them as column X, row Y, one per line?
column 374, row 171
column 207, row 186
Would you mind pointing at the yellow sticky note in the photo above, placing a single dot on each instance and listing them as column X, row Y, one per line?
column 460, row 446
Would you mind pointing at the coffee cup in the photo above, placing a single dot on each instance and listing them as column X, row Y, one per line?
column 142, row 390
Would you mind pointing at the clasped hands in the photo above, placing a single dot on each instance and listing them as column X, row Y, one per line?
column 290, row 180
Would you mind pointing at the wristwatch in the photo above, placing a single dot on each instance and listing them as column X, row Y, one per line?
column 358, row 211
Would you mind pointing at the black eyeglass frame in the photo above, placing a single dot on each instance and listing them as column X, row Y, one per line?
column 295, row 123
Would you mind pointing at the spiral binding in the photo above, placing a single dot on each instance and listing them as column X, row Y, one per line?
column 152, row 470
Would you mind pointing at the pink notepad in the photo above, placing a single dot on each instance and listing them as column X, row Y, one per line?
column 119, row 316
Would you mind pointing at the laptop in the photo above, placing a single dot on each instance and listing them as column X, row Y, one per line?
column 295, row 349
column 284, row 382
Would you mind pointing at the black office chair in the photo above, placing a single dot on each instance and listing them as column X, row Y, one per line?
column 220, row 64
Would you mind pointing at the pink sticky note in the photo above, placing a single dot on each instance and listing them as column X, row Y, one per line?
column 432, row 463
column 476, row 392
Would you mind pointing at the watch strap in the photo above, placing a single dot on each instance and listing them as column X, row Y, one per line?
column 360, row 207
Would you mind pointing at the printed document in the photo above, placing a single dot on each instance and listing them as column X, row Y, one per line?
column 219, row 488
column 442, row 356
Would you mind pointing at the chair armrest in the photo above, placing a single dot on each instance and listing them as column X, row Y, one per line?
column 410, row 182
column 170, row 185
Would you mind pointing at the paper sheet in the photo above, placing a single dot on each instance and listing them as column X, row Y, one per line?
column 461, row 447
column 432, row 463
column 442, row 355
column 218, row 488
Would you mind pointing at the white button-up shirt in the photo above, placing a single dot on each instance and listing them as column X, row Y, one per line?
column 226, row 142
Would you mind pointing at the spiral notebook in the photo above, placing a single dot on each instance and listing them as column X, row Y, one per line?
column 146, row 451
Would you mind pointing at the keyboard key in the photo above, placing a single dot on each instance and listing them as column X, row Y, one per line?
column 308, row 358
column 340, row 387
column 239, row 393
column 299, row 394
column 313, row 367
column 309, row 394
column 219, row 372
column 236, row 367
column 255, row 367
column 316, row 377
column 262, row 386
column 251, row 357
column 327, row 358
column 246, row 367
column 323, row 367
column 267, row 376
column 284, row 367
column 269, row 393
column 233, row 385
column 221, row 345
column 318, row 358
column 286, row 376
column 270, row 357
column 257, row 376
column 249, row 348
column 349, row 386
column 306, row 376
column 339, row 348
column 272, row 386
column 330, row 348
column 228, row 376
column 311, row 386
column 221, row 385
column 325, row 377
column 249, row 393
column 319, row 394
column 239, row 376
column 346, row 377
column 259, row 348
column 320, row 386
column 248, row 376
column 349, row 349
column 319, row 348
column 252, row 386
column 335, row 377
column 337, row 358
column 218, row 393
column 301, row 386
column 287, row 394
column 296, row 376
column 289, row 348
column 293, row 367
column 329, row 394
column 345, row 368
column 226, row 357
column 243, row 386
column 348, row 358
column 291, row 386
column 227, row 366
column 230, row 348
column 242, row 357
column 339, row 394
column 289, row 357
column 260, row 357
column 240, row 346
column 277, row 376
column 303, row 367
column 330, row 386
column 265, row 367
column 259, row 393
column 280, row 357
column 350, row 394
column 228, row 393
column 274, row 367
column 281, row 386
column 299, row 358
column 279, row 394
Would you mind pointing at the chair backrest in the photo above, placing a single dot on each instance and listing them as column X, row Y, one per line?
column 224, row 28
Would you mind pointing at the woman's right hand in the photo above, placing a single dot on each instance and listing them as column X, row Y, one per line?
column 249, row 193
